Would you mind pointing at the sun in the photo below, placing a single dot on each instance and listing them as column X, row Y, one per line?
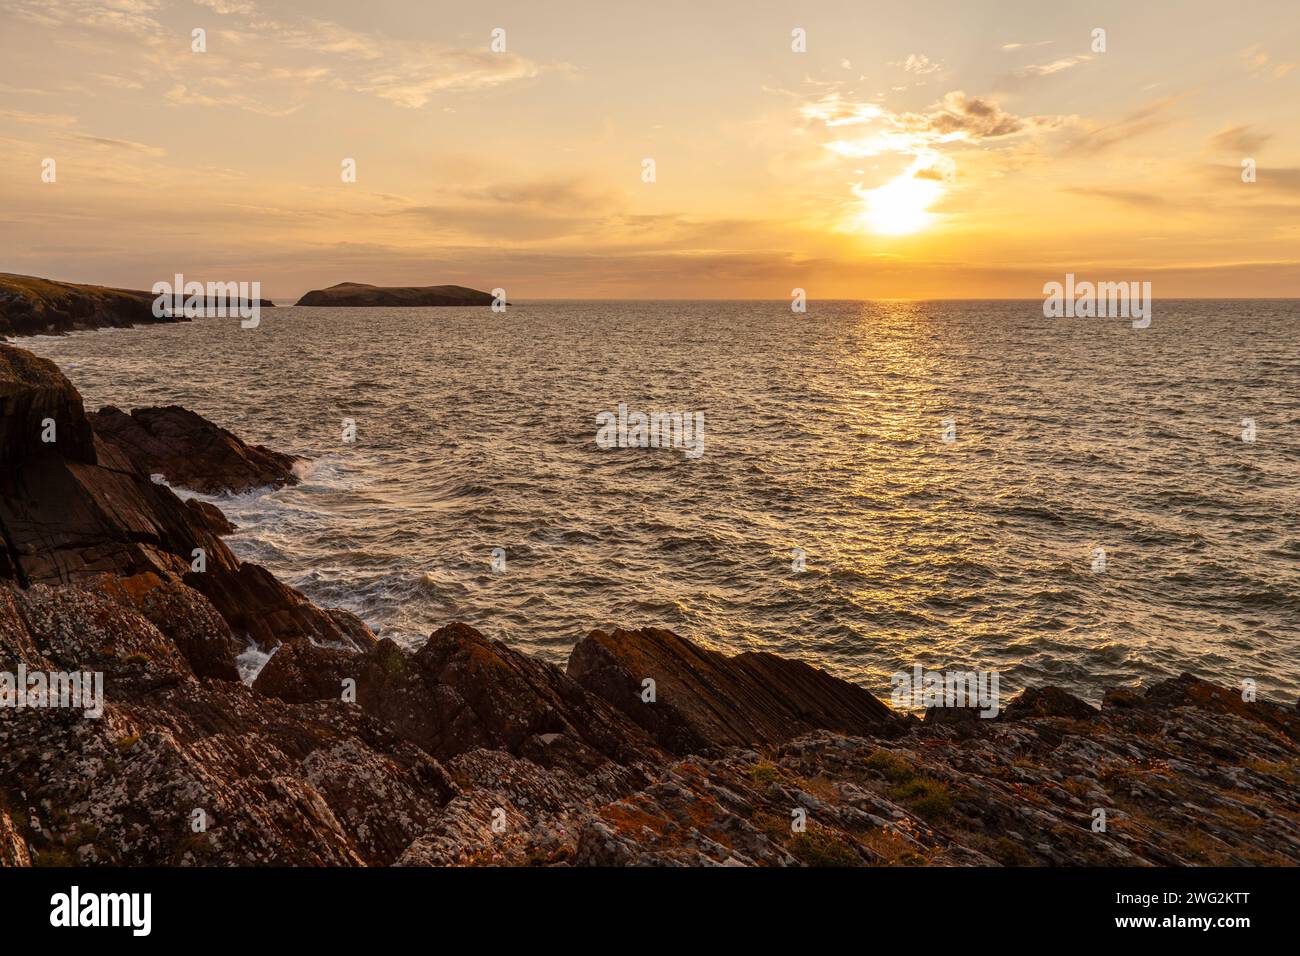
column 901, row 206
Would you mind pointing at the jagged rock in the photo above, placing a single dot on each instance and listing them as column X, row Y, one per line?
column 705, row 699
column 1048, row 702
column 355, row 294
column 210, row 517
column 192, row 452
column 460, row 692
column 1186, row 690
column 964, row 721
column 13, row 848
column 1121, row 697
column 79, row 507
column 541, row 767
column 183, row 615
column 258, row 605
column 32, row 392
column 302, row 672
column 309, row 785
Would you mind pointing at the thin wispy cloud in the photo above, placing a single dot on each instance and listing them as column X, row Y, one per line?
column 1241, row 140
column 1056, row 66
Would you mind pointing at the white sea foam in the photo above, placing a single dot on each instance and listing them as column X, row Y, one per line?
column 251, row 661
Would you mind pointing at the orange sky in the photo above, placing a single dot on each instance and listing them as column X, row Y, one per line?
column 914, row 150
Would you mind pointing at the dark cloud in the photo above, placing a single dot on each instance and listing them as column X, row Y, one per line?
column 976, row 117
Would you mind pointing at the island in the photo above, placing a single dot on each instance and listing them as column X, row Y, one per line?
column 358, row 294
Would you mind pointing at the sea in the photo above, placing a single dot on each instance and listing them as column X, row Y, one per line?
column 867, row 485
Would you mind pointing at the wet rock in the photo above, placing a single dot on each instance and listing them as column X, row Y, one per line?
column 209, row 516
column 705, row 699
column 192, row 452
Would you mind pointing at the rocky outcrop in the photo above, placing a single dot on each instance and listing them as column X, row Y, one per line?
column 41, row 414
column 192, row 452
column 183, row 770
column 1184, row 785
column 703, row 699
column 33, row 306
column 1048, row 702
column 461, row 691
column 77, row 507
column 358, row 294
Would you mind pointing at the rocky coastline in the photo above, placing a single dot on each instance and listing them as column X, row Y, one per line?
column 30, row 305
column 350, row 750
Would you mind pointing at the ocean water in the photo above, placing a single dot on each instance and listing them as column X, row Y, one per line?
column 824, row 432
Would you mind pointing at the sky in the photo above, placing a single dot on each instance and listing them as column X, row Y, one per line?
column 852, row 149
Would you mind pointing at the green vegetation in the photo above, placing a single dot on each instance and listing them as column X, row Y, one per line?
column 819, row 848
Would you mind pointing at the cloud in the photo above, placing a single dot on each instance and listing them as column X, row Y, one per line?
column 113, row 16
column 413, row 83
column 269, row 64
column 926, row 139
column 38, row 119
column 1056, row 66
column 120, row 82
column 958, row 116
column 183, row 95
column 1260, row 63
column 105, row 142
column 22, row 90
column 920, row 64
column 225, row 7
column 1096, row 137
column 1124, row 197
column 1027, row 75
column 1284, row 179
column 954, row 118
column 1238, row 140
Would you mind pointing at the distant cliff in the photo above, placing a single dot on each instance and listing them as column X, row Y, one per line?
column 30, row 305
column 356, row 294
column 33, row 306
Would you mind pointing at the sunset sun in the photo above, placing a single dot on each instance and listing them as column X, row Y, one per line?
column 901, row 206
